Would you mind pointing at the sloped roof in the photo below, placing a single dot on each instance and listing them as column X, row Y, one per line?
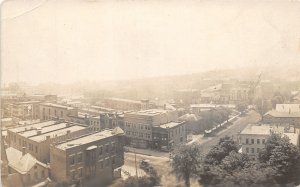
column 19, row 162
column 278, row 114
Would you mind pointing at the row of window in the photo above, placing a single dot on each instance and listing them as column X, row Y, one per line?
column 78, row 158
column 55, row 112
column 257, row 141
column 139, row 134
column 176, row 131
column 91, row 170
column 23, row 143
column 252, row 150
column 137, row 126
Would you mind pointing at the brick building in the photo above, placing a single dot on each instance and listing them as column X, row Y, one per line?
column 169, row 135
column 139, row 125
column 36, row 138
column 126, row 104
column 49, row 111
column 92, row 158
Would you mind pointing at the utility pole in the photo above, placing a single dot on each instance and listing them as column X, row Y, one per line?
column 136, row 173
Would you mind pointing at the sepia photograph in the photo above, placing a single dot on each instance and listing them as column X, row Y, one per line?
column 150, row 93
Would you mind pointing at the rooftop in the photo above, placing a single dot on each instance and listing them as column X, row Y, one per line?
column 90, row 138
column 150, row 112
column 124, row 100
column 212, row 105
column 36, row 125
column 19, row 162
column 276, row 113
column 170, row 125
column 257, row 130
column 57, row 133
column 33, row 132
column 289, row 108
column 57, row 106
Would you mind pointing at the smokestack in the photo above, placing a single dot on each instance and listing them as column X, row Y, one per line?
column 23, row 151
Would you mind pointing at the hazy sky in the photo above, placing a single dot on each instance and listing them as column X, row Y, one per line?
column 72, row 40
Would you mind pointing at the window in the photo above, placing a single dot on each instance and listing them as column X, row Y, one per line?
column 36, row 149
column 258, row 141
column 263, row 141
column 107, row 148
column 247, row 150
column 252, row 141
column 61, row 114
column 73, row 175
column 148, row 136
column 247, row 141
column 113, row 160
column 252, row 150
column 101, row 164
column 49, row 111
column 72, row 160
column 258, row 150
column 55, row 112
column 113, row 147
column 100, row 150
column 107, row 162
column 80, row 172
column 79, row 157
column 35, row 175
column 43, row 174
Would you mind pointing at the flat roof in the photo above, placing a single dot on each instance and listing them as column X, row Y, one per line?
column 257, row 130
column 90, row 138
column 57, row 105
column 57, row 133
column 124, row 100
column 170, row 125
column 44, row 130
column 36, row 125
column 211, row 105
column 150, row 112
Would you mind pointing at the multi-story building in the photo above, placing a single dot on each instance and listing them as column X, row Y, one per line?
column 126, row 104
column 253, row 139
column 198, row 108
column 284, row 115
column 169, row 135
column 25, row 110
column 92, row 158
column 111, row 120
column 43, row 98
column 49, row 111
column 138, row 125
column 36, row 138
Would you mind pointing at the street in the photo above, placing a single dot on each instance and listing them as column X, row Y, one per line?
column 161, row 162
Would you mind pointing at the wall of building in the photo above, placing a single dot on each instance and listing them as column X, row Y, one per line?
column 254, row 145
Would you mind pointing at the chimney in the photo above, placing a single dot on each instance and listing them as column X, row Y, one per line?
column 67, row 124
column 48, row 137
column 68, row 131
column 23, row 151
column 39, row 132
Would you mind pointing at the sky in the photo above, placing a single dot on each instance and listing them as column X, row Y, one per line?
column 65, row 41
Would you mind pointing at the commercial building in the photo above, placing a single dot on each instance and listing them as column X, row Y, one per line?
column 36, row 138
column 126, row 104
column 284, row 115
column 92, row 158
column 139, row 125
column 50, row 111
column 169, row 135
column 24, row 110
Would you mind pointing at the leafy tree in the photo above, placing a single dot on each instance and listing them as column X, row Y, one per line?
column 283, row 157
column 145, row 181
column 262, row 106
column 185, row 162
